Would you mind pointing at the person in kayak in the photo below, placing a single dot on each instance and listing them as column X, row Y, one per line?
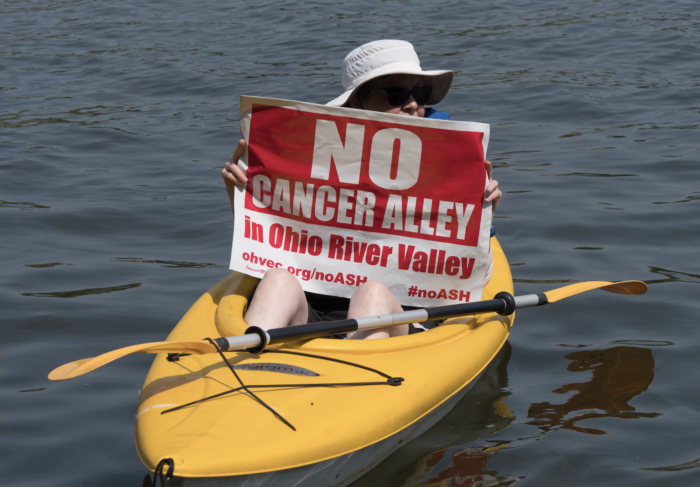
column 382, row 76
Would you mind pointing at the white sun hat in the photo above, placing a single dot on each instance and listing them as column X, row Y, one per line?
column 379, row 58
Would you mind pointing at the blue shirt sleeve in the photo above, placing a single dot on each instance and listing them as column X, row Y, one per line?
column 434, row 114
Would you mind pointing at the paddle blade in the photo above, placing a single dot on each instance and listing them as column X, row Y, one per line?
column 623, row 287
column 80, row 367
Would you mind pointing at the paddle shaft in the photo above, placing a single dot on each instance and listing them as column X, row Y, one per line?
column 256, row 339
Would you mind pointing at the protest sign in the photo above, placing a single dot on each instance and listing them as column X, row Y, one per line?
column 338, row 197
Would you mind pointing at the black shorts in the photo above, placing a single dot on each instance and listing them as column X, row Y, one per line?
column 333, row 308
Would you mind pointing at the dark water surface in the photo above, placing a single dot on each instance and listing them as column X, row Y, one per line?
column 115, row 121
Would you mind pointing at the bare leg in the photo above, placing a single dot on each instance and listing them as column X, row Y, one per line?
column 374, row 298
column 279, row 301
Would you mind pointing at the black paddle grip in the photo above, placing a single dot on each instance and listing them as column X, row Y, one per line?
column 510, row 303
column 465, row 309
column 263, row 339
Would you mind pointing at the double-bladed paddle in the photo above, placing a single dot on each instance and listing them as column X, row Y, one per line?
column 256, row 339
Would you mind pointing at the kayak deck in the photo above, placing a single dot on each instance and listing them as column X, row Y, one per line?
column 234, row 435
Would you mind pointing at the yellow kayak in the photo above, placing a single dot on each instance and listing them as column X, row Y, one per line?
column 340, row 432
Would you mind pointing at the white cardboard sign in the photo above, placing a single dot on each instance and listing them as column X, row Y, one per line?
column 339, row 196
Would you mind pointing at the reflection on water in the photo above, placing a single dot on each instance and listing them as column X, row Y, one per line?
column 459, row 466
column 686, row 200
column 676, row 468
column 42, row 266
column 672, row 276
column 643, row 343
column 22, row 205
column 619, row 374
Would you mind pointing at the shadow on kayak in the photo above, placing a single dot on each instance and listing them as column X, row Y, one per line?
column 440, row 453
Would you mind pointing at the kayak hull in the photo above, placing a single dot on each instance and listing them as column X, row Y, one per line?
column 340, row 432
column 336, row 472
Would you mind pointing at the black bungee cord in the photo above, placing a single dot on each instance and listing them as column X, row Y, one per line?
column 245, row 388
column 392, row 381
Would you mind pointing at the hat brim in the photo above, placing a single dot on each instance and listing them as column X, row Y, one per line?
column 439, row 80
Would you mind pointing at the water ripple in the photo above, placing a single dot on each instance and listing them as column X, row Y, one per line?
column 83, row 292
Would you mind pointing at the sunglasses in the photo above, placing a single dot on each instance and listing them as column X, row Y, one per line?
column 397, row 95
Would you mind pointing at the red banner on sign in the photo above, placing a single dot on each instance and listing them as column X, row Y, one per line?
column 443, row 203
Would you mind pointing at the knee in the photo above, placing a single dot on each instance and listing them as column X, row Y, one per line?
column 373, row 298
column 373, row 288
column 278, row 283
column 278, row 275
